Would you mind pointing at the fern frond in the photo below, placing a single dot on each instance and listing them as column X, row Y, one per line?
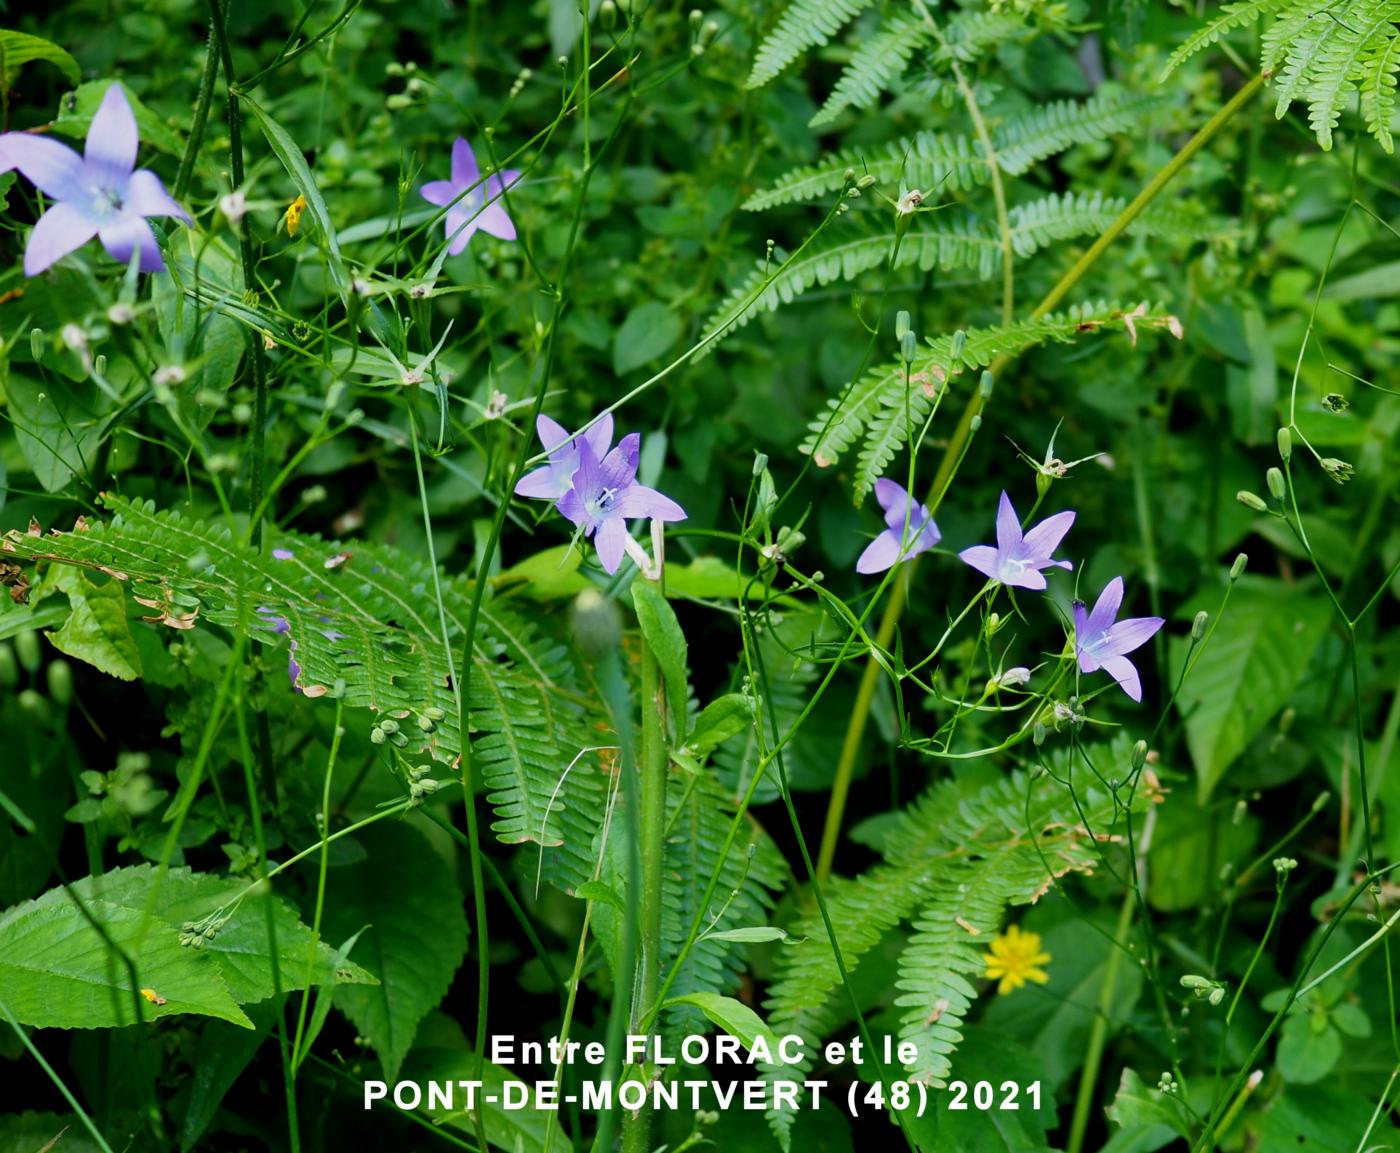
column 1349, row 49
column 955, row 163
column 874, row 66
column 806, row 24
column 1231, row 17
column 969, row 34
column 867, row 404
column 1378, row 89
column 363, row 626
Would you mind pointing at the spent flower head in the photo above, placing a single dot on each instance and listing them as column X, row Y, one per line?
column 470, row 203
column 909, row 529
column 100, row 193
column 604, row 495
column 1019, row 557
column 1103, row 642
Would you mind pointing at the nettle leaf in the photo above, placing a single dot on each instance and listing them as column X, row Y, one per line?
column 1259, row 653
column 414, row 939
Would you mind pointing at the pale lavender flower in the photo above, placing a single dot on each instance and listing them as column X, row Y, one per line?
column 1100, row 643
column 468, row 199
column 605, row 495
column 1018, row 559
column 554, row 479
column 100, row 193
column 280, row 625
column 909, row 529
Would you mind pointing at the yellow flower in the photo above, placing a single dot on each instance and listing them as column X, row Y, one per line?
column 292, row 219
column 1015, row 957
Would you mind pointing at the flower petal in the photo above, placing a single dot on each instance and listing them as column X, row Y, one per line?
column 461, row 226
column 111, row 141
column 551, row 433
column 636, row 500
column 439, row 192
column 600, row 435
column 1131, row 634
column 541, row 484
column 1087, row 664
column 609, row 542
column 895, row 502
column 130, row 231
column 571, row 508
column 53, row 168
column 1008, row 526
column 1024, row 578
column 586, row 483
column 1105, row 608
column 983, row 558
column 1122, row 670
column 146, row 194
column 619, row 467
column 1045, row 538
column 464, row 170
column 493, row 220
column 59, row 231
column 880, row 554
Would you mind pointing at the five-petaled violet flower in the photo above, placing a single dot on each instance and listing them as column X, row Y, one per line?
column 1018, row 559
column 909, row 530
column 470, row 203
column 554, row 479
column 100, row 193
column 1102, row 643
column 605, row 495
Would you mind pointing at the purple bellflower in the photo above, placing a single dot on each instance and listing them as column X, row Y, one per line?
column 554, row 479
column 1102, row 643
column 466, row 197
column 605, row 495
column 100, row 193
column 909, row 530
column 1018, row 559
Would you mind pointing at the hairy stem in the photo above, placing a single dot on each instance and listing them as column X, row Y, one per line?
column 201, row 114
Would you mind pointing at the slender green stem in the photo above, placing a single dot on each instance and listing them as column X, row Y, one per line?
column 201, row 114
column 1098, row 1035
column 952, row 455
column 56, row 1079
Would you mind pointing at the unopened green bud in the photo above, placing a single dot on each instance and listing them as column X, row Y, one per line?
column 433, row 713
column 1194, row 981
column 398, row 740
column 35, row 704
column 760, row 462
column 975, row 423
column 377, row 736
column 607, row 15
column 36, row 344
column 1284, row 865
column 901, row 324
column 696, row 16
column 389, row 725
column 1198, row 625
column 1217, row 995
column 59, row 676
column 955, row 348
column 1275, row 480
column 1250, row 500
column 597, row 624
column 428, row 785
column 27, row 649
column 1237, row 569
column 426, row 724
column 9, row 667
column 1139, row 754
column 865, row 181
column 1321, row 802
column 985, row 387
column 99, row 364
column 909, row 347
column 1285, row 445
column 1038, row 734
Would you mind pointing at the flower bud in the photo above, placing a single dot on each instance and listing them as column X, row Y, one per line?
column 956, row 347
column 9, row 667
column 99, row 364
column 1285, row 445
column 389, row 726
column 760, row 462
column 985, row 386
column 607, row 15
column 597, row 624
column 975, row 423
column 1198, row 625
column 1237, row 569
column 1139, row 754
column 377, row 736
column 35, row 704
column 696, row 16
column 27, row 649
column 1275, row 480
column 909, row 347
column 59, row 676
column 901, row 324
column 1250, row 500
column 36, row 344
column 865, row 181
column 1038, row 734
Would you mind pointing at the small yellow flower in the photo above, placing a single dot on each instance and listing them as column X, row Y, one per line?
column 1015, row 957
column 292, row 218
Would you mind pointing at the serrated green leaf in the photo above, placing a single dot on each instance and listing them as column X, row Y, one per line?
column 58, row 971
column 96, row 630
column 1259, row 653
column 415, row 940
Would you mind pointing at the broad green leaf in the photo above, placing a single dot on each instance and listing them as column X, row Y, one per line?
column 77, row 109
column 663, row 633
column 220, row 1056
column 1146, row 1119
column 551, row 574
column 58, row 971
column 415, row 939
column 514, row 1130
column 734, row 1017
column 19, row 48
column 58, row 426
column 1315, row 1119
column 240, row 947
column 1305, row 1053
column 648, row 332
column 1260, row 652
column 96, row 630
column 721, row 719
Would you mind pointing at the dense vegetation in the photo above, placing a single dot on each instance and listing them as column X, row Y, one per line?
column 846, row 521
